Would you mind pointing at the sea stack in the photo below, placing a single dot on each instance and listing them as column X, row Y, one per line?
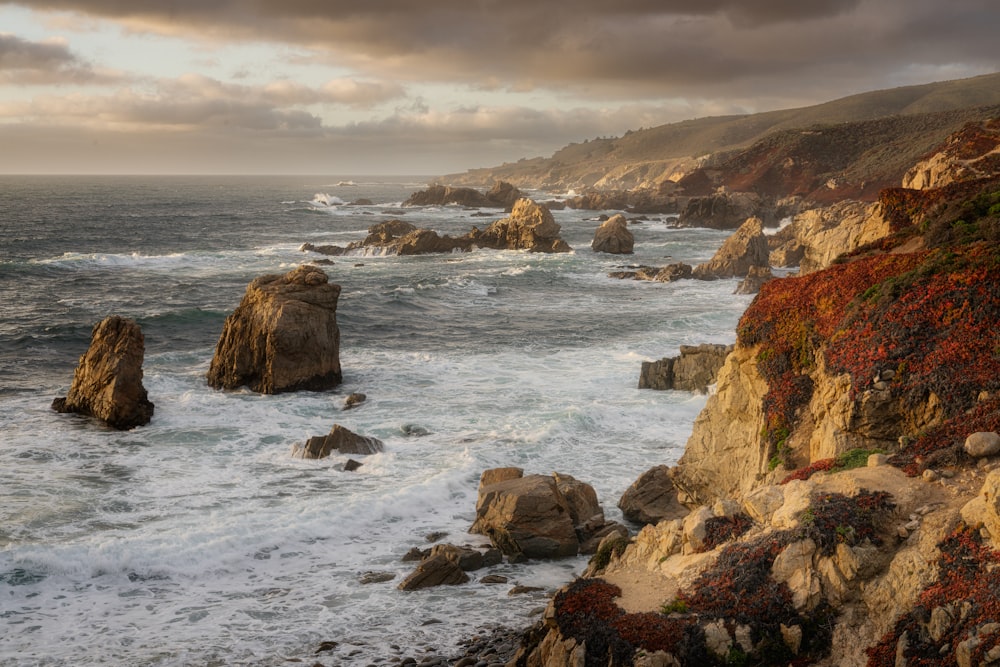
column 282, row 337
column 107, row 383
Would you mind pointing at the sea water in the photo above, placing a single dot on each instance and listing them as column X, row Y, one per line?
column 199, row 539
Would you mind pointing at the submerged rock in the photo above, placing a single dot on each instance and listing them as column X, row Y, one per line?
column 107, row 383
column 340, row 440
column 282, row 337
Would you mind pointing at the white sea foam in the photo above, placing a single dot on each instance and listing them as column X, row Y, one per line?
column 198, row 539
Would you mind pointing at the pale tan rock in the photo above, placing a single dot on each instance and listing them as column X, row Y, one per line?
column 793, row 566
column 745, row 248
column 827, row 233
column 695, row 530
column 792, row 637
column 614, row 237
column 717, row 639
column 984, row 443
column 726, row 454
column 761, row 504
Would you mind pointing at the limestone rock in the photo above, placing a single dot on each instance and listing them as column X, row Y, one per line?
column 693, row 370
column 282, row 337
column 433, row 571
column 107, row 383
column 984, row 443
column 538, row 516
column 652, row 498
column 614, row 237
column 340, row 440
column 746, row 248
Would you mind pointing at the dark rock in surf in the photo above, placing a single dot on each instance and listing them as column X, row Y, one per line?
column 745, row 248
column 693, row 370
column 353, row 400
column 340, row 440
column 282, row 337
column 434, row 571
column 107, row 383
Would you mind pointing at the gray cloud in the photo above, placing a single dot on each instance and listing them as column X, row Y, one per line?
column 625, row 49
column 23, row 62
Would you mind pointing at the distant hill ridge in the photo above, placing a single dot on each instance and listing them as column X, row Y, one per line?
column 647, row 157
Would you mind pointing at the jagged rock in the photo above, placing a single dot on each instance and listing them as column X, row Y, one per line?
column 746, row 248
column 613, row 237
column 693, row 370
column 334, row 250
column 340, row 440
column 282, row 337
column 755, row 278
column 537, row 516
column 107, row 383
column 529, row 227
column 434, row 571
column 826, row 233
column 384, row 232
column 984, row 443
column 652, row 498
column 504, row 194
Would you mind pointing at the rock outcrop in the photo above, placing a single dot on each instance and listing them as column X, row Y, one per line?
column 613, row 237
column 501, row 195
column 693, row 370
column 107, row 383
column 282, row 337
column 539, row 516
column 660, row 274
column 339, row 439
column 530, row 227
column 652, row 498
column 818, row 236
column 744, row 250
column 725, row 211
column 973, row 152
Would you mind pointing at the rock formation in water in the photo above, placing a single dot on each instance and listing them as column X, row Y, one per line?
column 339, row 439
column 529, row 226
column 539, row 516
column 693, row 370
column 614, row 237
column 107, row 383
column 501, row 195
column 746, row 248
column 282, row 337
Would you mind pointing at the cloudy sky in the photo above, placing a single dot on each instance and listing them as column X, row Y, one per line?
column 434, row 86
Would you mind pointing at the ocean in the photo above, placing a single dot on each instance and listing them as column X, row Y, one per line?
column 198, row 539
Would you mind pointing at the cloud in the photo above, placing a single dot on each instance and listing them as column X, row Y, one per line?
column 624, row 49
column 193, row 101
column 23, row 62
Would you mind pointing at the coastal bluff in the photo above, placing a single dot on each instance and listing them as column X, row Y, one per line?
column 282, row 337
column 840, row 487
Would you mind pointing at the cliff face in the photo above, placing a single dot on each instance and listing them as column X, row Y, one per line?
column 843, row 512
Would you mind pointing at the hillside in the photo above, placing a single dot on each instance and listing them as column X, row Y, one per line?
column 649, row 156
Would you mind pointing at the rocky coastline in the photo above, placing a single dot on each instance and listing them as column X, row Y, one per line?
column 838, row 501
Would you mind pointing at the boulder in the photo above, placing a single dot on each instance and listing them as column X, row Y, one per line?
column 746, row 248
column 529, row 227
column 107, row 383
column 613, row 237
column 984, row 443
column 282, row 337
column 340, row 440
column 466, row 558
column 433, row 571
column 693, row 370
column 538, row 516
column 652, row 498
column 354, row 399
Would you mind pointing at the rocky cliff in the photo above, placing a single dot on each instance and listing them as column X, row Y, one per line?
column 843, row 481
